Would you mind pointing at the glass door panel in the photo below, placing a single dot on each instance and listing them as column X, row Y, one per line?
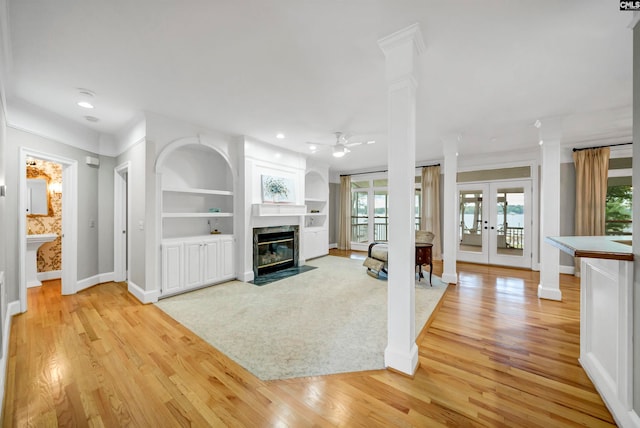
column 472, row 223
column 511, row 239
column 498, row 232
column 360, row 217
column 380, row 216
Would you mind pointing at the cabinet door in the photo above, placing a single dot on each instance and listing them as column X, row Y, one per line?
column 171, row 268
column 227, row 259
column 211, row 257
column 192, row 264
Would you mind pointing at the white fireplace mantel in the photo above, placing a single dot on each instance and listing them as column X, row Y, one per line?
column 275, row 210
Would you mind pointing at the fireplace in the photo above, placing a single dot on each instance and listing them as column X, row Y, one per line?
column 274, row 249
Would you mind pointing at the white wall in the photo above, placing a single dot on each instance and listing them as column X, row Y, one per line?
column 262, row 158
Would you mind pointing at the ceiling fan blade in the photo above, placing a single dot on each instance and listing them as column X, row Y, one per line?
column 353, row 144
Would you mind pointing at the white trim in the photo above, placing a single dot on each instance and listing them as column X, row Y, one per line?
column 247, row 276
column 120, row 189
column 549, row 293
column 143, row 296
column 100, row 278
column 50, row 274
column 13, row 308
column 634, row 20
column 569, row 270
column 333, row 245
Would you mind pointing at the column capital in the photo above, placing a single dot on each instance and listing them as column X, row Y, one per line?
column 550, row 129
column 400, row 49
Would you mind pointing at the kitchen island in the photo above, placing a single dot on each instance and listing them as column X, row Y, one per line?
column 606, row 317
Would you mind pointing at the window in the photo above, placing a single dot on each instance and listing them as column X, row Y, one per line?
column 618, row 215
column 370, row 210
column 618, row 209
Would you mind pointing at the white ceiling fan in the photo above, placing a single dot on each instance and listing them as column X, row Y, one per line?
column 341, row 146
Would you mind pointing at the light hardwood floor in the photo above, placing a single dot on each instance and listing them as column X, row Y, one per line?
column 493, row 355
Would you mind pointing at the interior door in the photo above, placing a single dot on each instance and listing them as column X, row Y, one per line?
column 495, row 223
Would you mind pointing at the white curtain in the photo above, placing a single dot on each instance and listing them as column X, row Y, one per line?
column 430, row 214
column 344, row 214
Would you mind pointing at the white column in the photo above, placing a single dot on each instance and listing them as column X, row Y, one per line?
column 550, row 135
column 450, row 213
column 401, row 50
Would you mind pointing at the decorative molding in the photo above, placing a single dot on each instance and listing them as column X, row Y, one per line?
column 277, row 210
column 450, row 278
column 412, row 32
column 333, row 245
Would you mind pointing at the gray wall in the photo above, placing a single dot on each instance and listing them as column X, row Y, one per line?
column 3, row 224
column 105, row 213
column 136, row 182
column 89, row 245
column 567, row 206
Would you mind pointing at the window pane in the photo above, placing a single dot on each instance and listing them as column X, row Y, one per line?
column 618, row 209
column 382, row 182
column 360, row 184
column 359, row 217
column 380, row 215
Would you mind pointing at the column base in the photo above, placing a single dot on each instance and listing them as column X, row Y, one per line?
column 450, row 278
column 400, row 361
column 549, row 293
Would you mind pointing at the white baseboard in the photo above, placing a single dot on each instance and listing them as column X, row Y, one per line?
column 83, row 284
column 569, row 270
column 142, row 295
column 450, row 278
column 51, row 274
column 332, row 246
column 13, row 308
column 549, row 293
column 246, row 277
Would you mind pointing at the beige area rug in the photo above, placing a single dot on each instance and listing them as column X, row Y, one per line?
column 328, row 320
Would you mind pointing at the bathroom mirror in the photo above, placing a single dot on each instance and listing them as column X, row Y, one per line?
column 38, row 202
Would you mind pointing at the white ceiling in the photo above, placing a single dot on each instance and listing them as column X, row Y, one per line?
column 308, row 68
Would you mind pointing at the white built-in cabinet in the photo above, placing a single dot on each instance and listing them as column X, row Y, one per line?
column 197, row 218
column 316, row 227
column 194, row 262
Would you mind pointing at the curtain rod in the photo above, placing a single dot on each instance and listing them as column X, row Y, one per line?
column 599, row 147
column 384, row 170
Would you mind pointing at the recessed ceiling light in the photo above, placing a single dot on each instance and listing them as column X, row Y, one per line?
column 85, row 104
column 540, row 142
column 313, row 148
column 92, row 118
column 280, row 136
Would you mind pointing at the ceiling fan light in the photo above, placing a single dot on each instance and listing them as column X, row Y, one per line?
column 339, row 152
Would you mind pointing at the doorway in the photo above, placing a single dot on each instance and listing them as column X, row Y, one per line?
column 495, row 223
column 69, row 216
column 121, row 222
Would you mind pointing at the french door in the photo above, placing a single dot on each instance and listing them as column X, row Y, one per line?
column 495, row 223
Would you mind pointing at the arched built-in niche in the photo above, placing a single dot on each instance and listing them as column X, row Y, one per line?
column 197, row 189
column 196, row 200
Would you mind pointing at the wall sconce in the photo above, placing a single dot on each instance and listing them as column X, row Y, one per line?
column 55, row 188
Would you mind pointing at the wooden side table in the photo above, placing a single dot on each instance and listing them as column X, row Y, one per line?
column 423, row 257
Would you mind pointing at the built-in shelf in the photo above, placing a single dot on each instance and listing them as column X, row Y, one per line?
column 315, row 215
column 195, row 215
column 198, row 191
